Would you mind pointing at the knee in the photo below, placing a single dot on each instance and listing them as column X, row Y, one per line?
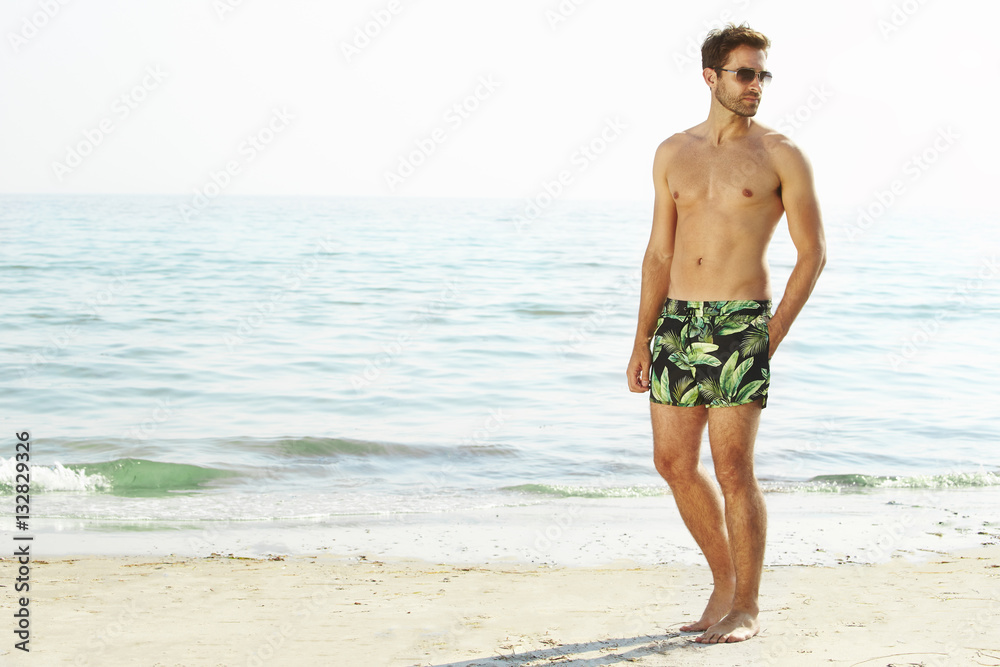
column 734, row 476
column 674, row 469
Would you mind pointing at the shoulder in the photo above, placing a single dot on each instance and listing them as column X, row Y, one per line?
column 785, row 153
column 675, row 145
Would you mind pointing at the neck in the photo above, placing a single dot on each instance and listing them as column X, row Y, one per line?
column 724, row 125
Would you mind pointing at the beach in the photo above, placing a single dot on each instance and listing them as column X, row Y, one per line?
column 317, row 321
column 320, row 611
column 916, row 582
column 422, row 452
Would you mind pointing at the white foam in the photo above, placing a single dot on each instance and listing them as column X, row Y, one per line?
column 51, row 478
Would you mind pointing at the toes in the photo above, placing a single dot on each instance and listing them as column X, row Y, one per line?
column 700, row 626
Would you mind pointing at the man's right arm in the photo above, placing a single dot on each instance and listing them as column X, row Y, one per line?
column 655, row 269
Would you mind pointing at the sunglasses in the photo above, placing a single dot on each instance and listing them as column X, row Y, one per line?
column 746, row 75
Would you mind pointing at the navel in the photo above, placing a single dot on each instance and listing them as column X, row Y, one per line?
column 747, row 192
column 699, row 260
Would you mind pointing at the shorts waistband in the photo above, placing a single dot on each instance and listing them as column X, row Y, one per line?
column 729, row 306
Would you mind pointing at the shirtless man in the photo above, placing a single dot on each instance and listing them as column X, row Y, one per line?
column 705, row 305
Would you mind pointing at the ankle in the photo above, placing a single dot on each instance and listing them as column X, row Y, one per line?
column 746, row 607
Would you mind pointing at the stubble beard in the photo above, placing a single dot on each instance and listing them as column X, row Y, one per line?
column 734, row 102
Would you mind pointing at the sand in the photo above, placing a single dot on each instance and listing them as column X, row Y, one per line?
column 323, row 610
column 888, row 577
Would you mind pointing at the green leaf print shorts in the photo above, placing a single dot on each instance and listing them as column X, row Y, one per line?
column 711, row 353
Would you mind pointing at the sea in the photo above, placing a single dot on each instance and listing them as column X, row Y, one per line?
column 295, row 360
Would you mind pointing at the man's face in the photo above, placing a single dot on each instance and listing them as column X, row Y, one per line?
column 741, row 99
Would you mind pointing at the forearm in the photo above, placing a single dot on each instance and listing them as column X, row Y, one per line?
column 800, row 285
column 655, row 283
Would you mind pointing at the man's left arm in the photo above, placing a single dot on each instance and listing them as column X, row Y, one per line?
column 805, row 226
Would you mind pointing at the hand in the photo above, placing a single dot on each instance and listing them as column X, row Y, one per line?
column 638, row 368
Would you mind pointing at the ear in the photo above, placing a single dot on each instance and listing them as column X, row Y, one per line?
column 710, row 76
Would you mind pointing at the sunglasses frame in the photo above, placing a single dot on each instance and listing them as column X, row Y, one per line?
column 763, row 76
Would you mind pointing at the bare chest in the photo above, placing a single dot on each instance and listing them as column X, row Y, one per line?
column 715, row 176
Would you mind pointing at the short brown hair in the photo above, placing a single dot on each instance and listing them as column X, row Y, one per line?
column 719, row 44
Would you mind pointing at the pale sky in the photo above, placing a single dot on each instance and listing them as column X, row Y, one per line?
column 109, row 96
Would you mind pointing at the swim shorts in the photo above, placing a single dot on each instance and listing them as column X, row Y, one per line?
column 711, row 353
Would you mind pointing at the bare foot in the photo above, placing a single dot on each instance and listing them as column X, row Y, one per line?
column 737, row 626
column 719, row 604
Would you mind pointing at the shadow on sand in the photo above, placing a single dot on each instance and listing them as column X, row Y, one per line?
column 609, row 652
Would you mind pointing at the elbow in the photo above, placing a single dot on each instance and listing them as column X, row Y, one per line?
column 655, row 262
column 658, row 258
column 812, row 259
column 818, row 255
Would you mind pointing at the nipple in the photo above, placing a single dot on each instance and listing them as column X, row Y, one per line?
column 677, row 195
column 747, row 192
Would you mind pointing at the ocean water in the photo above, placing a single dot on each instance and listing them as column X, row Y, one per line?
column 286, row 359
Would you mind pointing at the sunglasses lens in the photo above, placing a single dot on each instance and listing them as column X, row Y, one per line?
column 746, row 75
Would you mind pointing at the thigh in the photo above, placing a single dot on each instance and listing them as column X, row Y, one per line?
column 677, row 431
column 732, row 432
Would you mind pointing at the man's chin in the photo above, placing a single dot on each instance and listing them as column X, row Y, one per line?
column 743, row 109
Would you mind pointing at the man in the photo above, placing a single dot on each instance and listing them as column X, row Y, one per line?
column 720, row 189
